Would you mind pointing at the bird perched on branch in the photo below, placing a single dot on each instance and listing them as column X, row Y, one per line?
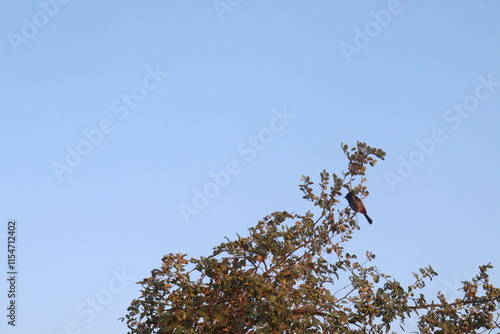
column 357, row 205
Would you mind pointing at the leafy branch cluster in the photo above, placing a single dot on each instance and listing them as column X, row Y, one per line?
column 292, row 274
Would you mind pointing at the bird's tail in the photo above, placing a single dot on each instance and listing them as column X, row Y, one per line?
column 368, row 218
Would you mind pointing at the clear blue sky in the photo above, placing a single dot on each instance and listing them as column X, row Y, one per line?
column 117, row 115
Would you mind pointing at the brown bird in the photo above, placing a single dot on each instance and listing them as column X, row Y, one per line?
column 357, row 205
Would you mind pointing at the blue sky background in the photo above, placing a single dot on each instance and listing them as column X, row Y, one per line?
column 118, row 212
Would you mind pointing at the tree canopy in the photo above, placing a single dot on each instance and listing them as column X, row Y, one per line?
column 292, row 274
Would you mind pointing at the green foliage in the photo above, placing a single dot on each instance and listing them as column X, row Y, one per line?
column 292, row 274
